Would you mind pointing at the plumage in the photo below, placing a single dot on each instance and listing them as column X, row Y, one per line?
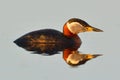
column 46, row 41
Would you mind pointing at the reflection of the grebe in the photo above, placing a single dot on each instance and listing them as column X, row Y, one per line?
column 75, row 58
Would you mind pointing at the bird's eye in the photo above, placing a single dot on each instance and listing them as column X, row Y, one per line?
column 88, row 29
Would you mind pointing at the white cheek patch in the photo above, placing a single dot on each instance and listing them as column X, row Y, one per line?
column 75, row 27
column 72, row 59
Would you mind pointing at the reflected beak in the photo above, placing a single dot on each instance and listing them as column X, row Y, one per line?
column 90, row 28
column 90, row 56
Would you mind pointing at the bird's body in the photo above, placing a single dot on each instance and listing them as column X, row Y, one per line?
column 47, row 41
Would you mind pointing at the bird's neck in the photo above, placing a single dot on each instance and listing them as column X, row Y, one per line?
column 67, row 32
column 75, row 37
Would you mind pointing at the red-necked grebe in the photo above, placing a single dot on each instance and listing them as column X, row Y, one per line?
column 51, row 41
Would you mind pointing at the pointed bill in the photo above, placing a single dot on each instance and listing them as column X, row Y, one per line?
column 91, row 56
column 90, row 28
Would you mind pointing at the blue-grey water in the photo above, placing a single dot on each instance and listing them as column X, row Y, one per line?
column 23, row 16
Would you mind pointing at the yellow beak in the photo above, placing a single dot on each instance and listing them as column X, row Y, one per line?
column 90, row 28
column 90, row 56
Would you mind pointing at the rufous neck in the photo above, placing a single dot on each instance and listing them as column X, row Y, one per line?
column 66, row 53
column 67, row 32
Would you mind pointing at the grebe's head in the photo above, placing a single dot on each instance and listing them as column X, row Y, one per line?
column 76, row 26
